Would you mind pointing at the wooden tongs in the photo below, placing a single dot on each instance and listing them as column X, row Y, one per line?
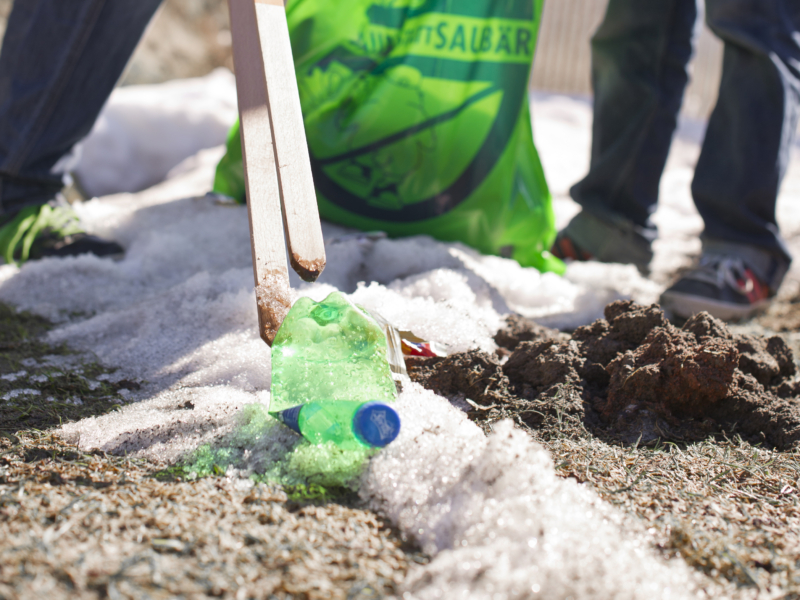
column 277, row 167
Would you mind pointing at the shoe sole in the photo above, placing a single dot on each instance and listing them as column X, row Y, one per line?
column 609, row 242
column 686, row 306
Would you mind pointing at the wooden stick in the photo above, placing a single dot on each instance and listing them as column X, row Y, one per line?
column 261, row 174
column 277, row 166
column 298, row 197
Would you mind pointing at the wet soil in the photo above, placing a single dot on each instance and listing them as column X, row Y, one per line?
column 632, row 377
column 42, row 385
column 518, row 329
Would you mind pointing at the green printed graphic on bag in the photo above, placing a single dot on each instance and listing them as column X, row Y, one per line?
column 417, row 121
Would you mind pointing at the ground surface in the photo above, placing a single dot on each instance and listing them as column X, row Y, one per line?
column 729, row 507
column 91, row 525
column 75, row 525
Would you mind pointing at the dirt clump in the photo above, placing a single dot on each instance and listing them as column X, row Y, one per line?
column 538, row 366
column 474, row 377
column 477, row 383
column 635, row 378
column 673, row 373
column 625, row 327
column 770, row 360
column 520, row 329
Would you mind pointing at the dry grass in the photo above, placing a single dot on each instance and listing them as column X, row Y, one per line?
column 729, row 509
column 76, row 525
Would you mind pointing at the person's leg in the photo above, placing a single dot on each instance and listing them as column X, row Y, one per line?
column 639, row 59
column 58, row 64
column 743, row 160
column 749, row 137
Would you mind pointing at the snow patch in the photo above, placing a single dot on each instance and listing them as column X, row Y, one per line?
column 13, row 376
column 145, row 131
column 20, row 392
column 497, row 519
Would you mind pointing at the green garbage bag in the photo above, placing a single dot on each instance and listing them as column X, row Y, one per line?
column 417, row 121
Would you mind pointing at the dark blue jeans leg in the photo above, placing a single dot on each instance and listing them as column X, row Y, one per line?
column 750, row 133
column 59, row 62
column 639, row 59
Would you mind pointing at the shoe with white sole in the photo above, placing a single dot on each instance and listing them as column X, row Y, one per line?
column 723, row 286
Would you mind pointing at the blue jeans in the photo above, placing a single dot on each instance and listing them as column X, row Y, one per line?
column 640, row 55
column 59, row 61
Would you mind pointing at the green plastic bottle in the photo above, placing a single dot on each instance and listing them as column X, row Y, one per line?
column 329, row 350
column 346, row 423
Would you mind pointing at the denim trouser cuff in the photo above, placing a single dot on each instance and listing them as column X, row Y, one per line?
column 17, row 193
column 768, row 266
column 59, row 62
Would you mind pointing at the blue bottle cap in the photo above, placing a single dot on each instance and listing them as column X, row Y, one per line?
column 376, row 424
column 290, row 417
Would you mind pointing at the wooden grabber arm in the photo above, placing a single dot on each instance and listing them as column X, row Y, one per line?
column 277, row 167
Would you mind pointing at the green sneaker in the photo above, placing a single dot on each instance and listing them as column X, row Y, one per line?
column 51, row 229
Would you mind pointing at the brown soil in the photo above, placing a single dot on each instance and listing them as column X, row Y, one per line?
column 632, row 377
column 519, row 329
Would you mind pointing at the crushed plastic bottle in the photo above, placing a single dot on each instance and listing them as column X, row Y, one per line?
column 348, row 424
column 327, row 351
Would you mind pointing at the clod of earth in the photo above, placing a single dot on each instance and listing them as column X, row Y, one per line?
column 632, row 377
column 519, row 329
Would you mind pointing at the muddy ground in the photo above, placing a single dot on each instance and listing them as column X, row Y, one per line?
column 631, row 378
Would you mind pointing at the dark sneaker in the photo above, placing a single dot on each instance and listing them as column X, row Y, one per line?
column 74, row 245
column 588, row 237
column 565, row 248
column 52, row 229
column 723, row 286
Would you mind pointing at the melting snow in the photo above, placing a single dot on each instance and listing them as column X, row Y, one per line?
column 21, row 392
column 13, row 376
